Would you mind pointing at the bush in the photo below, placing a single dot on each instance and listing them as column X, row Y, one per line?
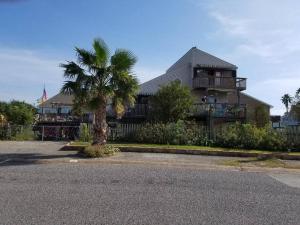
column 273, row 140
column 179, row 133
column 237, row 135
column 97, row 151
column 17, row 133
column 25, row 134
column 84, row 133
column 248, row 136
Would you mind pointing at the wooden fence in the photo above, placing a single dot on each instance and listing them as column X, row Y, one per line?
column 116, row 131
column 293, row 134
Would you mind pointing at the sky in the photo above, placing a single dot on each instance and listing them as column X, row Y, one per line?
column 261, row 37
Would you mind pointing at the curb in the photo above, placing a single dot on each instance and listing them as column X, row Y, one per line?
column 283, row 156
column 278, row 155
column 102, row 161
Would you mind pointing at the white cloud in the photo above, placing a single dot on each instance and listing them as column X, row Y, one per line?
column 24, row 73
column 271, row 91
column 265, row 40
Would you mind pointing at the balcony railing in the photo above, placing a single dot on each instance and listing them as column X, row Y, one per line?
column 53, row 117
column 219, row 110
column 137, row 111
column 219, row 82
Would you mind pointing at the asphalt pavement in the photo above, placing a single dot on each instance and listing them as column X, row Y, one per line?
column 81, row 193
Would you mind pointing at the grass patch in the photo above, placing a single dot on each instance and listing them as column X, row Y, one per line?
column 186, row 147
column 79, row 143
column 98, row 151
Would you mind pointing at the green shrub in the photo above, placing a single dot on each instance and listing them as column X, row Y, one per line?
column 237, row 135
column 84, row 133
column 25, row 134
column 17, row 133
column 179, row 133
column 274, row 140
column 249, row 136
column 97, row 151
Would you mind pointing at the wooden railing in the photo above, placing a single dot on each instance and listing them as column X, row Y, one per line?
column 137, row 111
column 63, row 117
column 219, row 82
column 201, row 109
column 142, row 110
column 219, row 110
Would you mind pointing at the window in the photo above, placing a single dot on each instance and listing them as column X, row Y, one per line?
column 218, row 78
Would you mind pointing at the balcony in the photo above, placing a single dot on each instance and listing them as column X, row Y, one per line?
column 219, row 83
column 137, row 111
column 59, row 118
column 220, row 110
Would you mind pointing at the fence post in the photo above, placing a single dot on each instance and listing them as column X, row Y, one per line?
column 43, row 131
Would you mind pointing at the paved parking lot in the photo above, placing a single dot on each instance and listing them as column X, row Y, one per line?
column 139, row 188
column 34, row 150
column 142, row 194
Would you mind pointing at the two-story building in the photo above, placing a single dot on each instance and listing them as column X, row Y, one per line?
column 215, row 84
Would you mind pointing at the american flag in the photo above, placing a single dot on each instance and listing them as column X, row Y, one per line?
column 43, row 98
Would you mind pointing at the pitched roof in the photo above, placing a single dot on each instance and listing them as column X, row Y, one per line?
column 196, row 56
column 151, row 86
column 262, row 102
column 58, row 99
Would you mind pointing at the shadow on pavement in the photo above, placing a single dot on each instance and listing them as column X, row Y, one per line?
column 13, row 159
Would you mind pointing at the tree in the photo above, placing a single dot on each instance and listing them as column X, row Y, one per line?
column 17, row 112
column 171, row 103
column 286, row 100
column 98, row 79
column 297, row 97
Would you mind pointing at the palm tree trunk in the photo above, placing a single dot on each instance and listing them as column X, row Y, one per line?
column 100, row 126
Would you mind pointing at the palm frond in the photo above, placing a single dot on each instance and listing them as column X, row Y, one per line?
column 69, row 87
column 101, row 52
column 72, row 70
column 85, row 57
column 119, row 107
column 123, row 60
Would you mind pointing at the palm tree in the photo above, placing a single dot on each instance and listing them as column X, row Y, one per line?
column 98, row 79
column 286, row 100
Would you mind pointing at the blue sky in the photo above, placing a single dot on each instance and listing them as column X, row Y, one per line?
column 261, row 37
